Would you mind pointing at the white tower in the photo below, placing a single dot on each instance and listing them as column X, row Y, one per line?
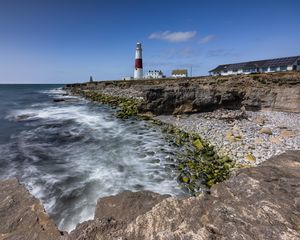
column 138, row 70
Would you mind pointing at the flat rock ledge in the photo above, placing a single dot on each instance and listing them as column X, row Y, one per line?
column 22, row 216
column 261, row 202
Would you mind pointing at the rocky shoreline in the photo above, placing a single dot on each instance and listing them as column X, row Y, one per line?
column 221, row 119
column 261, row 202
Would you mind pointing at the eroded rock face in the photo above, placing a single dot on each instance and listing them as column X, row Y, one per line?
column 116, row 212
column 22, row 216
column 257, row 203
column 273, row 91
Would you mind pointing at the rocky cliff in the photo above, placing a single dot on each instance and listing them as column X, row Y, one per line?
column 275, row 92
column 255, row 203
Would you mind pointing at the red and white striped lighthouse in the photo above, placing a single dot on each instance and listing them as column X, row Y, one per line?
column 138, row 69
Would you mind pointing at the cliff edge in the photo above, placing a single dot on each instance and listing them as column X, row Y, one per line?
column 272, row 91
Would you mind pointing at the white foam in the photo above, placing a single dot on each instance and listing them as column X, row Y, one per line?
column 94, row 155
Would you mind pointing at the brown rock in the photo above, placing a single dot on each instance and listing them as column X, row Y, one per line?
column 275, row 140
column 256, row 203
column 258, row 141
column 260, row 120
column 266, row 130
column 204, row 94
column 287, row 133
column 114, row 213
column 23, row 216
column 127, row 205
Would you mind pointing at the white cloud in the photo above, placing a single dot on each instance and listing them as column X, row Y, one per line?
column 207, row 39
column 173, row 36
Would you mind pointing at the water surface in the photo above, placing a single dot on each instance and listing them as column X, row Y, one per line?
column 71, row 153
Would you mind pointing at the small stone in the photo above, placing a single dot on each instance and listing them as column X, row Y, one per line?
column 230, row 136
column 287, row 133
column 266, row 130
column 250, row 158
column 259, row 120
column 275, row 140
column 258, row 140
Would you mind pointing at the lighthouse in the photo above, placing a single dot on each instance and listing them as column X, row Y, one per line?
column 138, row 69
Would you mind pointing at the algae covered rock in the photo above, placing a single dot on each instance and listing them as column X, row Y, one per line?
column 198, row 145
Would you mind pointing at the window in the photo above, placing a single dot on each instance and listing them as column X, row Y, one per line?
column 283, row 68
column 273, row 69
column 298, row 62
column 246, row 70
column 234, row 70
column 265, row 69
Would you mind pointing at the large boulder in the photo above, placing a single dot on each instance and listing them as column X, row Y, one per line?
column 22, row 216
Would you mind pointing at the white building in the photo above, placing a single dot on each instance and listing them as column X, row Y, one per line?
column 179, row 73
column 154, row 74
column 262, row 66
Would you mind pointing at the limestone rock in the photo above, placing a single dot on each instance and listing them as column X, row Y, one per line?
column 204, row 94
column 275, row 140
column 287, row 133
column 266, row 130
column 256, row 203
column 22, row 216
column 259, row 120
column 127, row 205
column 250, row 158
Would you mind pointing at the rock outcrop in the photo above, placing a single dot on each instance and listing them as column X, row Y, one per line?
column 275, row 92
column 115, row 212
column 262, row 202
column 257, row 203
column 22, row 216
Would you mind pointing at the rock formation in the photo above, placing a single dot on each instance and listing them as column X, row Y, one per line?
column 276, row 92
column 257, row 203
column 262, row 202
column 22, row 216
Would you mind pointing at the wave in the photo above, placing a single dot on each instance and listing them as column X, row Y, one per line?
column 69, row 155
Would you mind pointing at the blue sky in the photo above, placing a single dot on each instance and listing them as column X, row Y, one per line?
column 61, row 41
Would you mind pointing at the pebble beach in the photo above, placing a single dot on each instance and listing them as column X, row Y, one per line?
column 247, row 137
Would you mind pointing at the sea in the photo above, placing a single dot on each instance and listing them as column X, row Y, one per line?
column 70, row 153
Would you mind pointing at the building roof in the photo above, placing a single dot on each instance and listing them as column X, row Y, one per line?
column 276, row 62
column 179, row 71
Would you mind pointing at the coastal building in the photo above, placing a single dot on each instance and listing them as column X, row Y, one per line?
column 154, row 74
column 262, row 66
column 138, row 68
column 179, row 73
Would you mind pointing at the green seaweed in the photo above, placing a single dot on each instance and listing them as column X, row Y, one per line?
column 128, row 106
column 198, row 163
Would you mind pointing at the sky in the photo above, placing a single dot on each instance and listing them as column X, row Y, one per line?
column 62, row 41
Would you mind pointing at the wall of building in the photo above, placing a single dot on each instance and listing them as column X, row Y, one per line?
column 261, row 70
column 179, row 75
